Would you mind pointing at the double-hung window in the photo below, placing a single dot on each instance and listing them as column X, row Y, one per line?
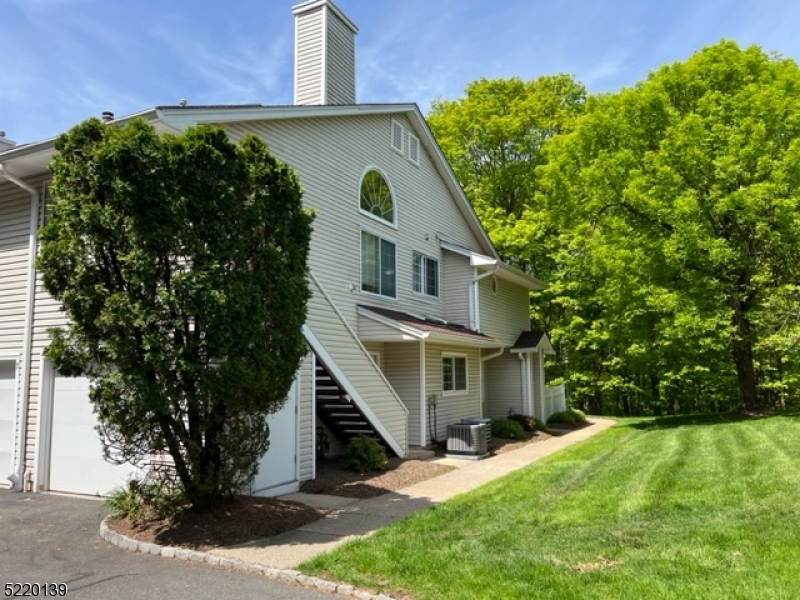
column 454, row 374
column 378, row 265
column 426, row 275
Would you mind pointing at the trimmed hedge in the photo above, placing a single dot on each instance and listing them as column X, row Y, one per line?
column 571, row 416
column 507, row 429
column 362, row 454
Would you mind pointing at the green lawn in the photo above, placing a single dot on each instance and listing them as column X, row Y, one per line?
column 672, row 508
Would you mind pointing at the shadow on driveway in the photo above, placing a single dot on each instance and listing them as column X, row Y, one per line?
column 47, row 538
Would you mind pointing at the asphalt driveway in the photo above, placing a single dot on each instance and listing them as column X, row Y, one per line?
column 53, row 539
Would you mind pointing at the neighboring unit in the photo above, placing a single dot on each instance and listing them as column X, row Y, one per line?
column 414, row 322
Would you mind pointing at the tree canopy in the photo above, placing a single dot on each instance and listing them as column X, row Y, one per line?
column 180, row 262
column 667, row 219
column 494, row 138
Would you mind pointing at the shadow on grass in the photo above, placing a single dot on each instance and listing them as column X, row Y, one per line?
column 672, row 422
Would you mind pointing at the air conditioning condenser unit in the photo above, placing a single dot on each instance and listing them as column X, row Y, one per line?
column 467, row 441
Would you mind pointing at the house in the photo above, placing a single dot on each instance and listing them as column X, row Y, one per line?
column 414, row 322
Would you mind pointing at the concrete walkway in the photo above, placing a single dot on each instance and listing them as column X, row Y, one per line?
column 352, row 518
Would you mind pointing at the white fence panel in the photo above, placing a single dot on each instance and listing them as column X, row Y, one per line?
column 555, row 400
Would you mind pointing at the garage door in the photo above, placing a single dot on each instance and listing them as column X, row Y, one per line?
column 7, row 412
column 76, row 453
column 277, row 470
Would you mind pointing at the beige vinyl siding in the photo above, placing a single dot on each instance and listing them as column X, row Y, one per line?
column 341, row 59
column 400, row 363
column 369, row 329
column 505, row 314
column 503, row 385
column 46, row 314
column 308, row 87
column 306, row 416
column 456, row 275
column 350, row 356
column 331, row 155
column 375, row 348
column 451, row 408
column 15, row 216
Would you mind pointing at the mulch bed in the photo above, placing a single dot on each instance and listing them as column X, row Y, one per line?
column 244, row 519
column 335, row 480
column 248, row 518
column 531, row 437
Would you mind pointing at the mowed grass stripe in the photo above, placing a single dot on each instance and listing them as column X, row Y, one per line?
column 694, row 508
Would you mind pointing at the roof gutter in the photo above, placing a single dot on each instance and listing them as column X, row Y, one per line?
column 18, row 476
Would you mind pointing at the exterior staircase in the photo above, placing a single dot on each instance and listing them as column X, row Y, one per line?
column 338, row 412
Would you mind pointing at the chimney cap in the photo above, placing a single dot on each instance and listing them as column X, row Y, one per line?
column 303, row 7
column 107, row 116
column 182, row 102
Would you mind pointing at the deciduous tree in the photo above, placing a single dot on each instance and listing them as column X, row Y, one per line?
column 702, row 161
column 180, row 262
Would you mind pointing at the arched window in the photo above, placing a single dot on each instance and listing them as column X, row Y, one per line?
column 376, row 197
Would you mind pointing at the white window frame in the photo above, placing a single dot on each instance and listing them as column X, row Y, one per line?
column 375, row 356
column 422, row 291
column 43, row 216
column 366, row 213
column 361, row 260
column 455, row 356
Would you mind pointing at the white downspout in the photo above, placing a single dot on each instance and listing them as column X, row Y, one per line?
column 475, row 313
column 423, row 402
column 17, row 478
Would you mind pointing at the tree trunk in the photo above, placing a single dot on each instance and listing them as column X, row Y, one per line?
column 742, row 347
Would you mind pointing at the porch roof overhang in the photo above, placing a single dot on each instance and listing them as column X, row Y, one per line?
column 384, row 325
column 503, row 270
column 533, row 341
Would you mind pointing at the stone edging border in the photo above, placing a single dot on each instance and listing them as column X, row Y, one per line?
column 123, row 542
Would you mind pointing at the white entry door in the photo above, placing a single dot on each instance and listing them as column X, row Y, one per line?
column 277, row 471
column 76, row 453
column 7, row 412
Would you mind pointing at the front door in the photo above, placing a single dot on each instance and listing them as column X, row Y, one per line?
column 277, row 470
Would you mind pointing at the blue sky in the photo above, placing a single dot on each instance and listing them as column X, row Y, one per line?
column 65, row 60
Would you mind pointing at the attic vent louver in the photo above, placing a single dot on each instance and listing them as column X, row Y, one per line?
column 413, row 149
column 404, row 142
column 398, row 133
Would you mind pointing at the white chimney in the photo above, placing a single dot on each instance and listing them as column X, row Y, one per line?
column 325, row 54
